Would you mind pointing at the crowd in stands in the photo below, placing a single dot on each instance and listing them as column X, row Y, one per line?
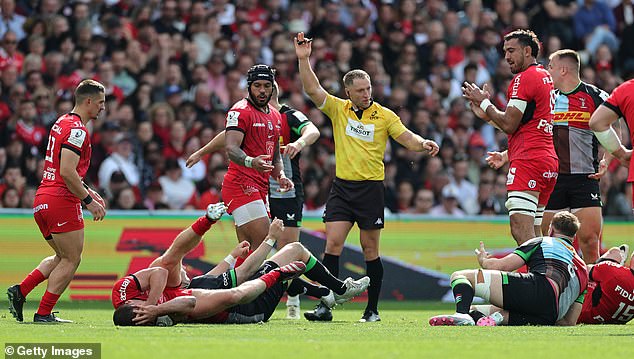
column 173, row 68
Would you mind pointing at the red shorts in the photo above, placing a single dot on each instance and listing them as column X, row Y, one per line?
column 55, row 214
column 236, row 195
column 539, row 175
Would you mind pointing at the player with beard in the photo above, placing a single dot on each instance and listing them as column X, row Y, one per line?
column 296, row 132
column 251, row 142
column 57, row 204
column 528, row 122
column 361, row 128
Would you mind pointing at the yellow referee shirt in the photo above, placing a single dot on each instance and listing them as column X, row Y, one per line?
column 360, row 143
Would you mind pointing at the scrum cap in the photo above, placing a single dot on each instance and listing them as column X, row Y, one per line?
column 260, row 72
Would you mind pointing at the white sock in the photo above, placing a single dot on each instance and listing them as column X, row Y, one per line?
column 292, row 300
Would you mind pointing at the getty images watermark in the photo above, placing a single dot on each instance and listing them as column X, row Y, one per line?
column 52, row 350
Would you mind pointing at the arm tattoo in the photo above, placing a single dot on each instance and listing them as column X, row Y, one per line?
column 236, row 154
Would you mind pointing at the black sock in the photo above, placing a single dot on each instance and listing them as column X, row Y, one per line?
column 463, row 294
column 476, row 315
column 331, row 262
column 374, row 270
column 299, row 286
column 318, row 272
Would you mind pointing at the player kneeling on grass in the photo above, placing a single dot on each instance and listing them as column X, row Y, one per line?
column 552, row 291
column 246, row 294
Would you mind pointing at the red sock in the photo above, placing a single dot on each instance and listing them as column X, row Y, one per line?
column 270, row 278
column 31, row 281
column 241, row 260
column 48, row 302
column 202, row 225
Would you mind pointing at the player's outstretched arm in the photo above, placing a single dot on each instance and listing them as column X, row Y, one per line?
column 312, row 87
column 153, row 279
column 414, row 142
column 216, row 144
column 68, row 171
column 509, row 263
column 496, row 160
column 310, row 134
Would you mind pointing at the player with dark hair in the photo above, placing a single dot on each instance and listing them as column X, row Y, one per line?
column 527, row 121
column 577, row 187
column 57, row 204
column 361, row 129
column 620, row 103
column 246, row 294
column 552, row 290
column 252, row 145
column 296, row 132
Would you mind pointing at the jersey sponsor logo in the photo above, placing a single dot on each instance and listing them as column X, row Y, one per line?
column 249, row 190
column 374, row 116
column 225, row 279
column 40, row 207
column 122, row 290
column 550, row 174
column 360, row 131
column 259, row 124
column 61, row 224
column 546, row 126
column 77, row 137
column 290, row 217
column 516, row 85
column 532, row 184
column 624, row 293
column 232, row 118
column 510, row 177
column 378, row 221
column 571, row 116
column 57, row 129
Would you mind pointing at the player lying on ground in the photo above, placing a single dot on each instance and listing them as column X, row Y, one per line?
column 556, row 279
column 224, row 295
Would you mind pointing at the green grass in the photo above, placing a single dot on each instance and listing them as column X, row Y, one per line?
column 403, row 333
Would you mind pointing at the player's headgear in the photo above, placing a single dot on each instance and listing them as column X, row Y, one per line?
column 260, row 72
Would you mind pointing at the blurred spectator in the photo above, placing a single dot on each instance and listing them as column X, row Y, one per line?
column 11, row 198
column 595, row 25
column 125, row 199
column 9, row 54
column 28, row 195
column 179, row 192
column 10, row 20
column 423, row 202
column 154, row 197
column 448, row 205
column 121, row 160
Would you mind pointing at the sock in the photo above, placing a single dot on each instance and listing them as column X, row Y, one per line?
column 463, row 294
column 47, row 303
column 476, row 315
column 202, row 225
column 292, row 300
column 318, row 272
column 270, row 278
column 241, row 260
column 31, row 281
column 299, row 286
column 331, row 262
column 374, row 270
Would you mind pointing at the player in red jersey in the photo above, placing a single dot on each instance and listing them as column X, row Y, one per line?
column 619, row 104
column 57, row 205
column 252, row 133
column 528, row 123
column 223, row 295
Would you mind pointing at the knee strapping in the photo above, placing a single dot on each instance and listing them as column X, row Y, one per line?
column 522, row 203
column 483, row 289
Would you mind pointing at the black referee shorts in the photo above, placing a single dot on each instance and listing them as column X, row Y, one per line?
column 356, row 201
column 529, row 298
column 574, row 191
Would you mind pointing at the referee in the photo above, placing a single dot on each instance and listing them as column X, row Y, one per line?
column 361, row 128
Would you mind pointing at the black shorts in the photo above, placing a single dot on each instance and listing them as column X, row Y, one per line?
column 261, row 308
column 226, row 280
column 356, row 201
column 288, row 210
column 529, row 298
column 574, row 191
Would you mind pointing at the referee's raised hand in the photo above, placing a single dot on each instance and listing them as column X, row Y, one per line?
column 303, row 46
